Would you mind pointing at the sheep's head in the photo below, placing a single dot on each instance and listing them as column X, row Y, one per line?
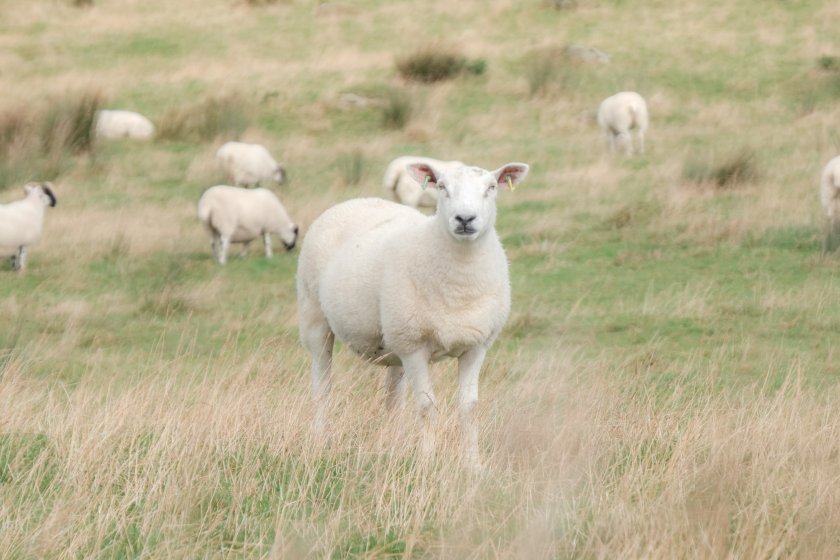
column 43, row 191
column 290, row 237
column 467, row 195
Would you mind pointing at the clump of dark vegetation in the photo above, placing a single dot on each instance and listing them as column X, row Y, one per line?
column 82, row 3
column 38, row 144
column 205, row 120
column 563, row 4
column 829, row 63
column 736, row 169
column 396, row 109
column 436, row 64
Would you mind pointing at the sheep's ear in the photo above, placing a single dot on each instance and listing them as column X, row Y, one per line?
column 511, row 174
column 48, row 191
column 423, row 173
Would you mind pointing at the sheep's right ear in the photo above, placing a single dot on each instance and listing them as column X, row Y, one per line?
column 423, row 173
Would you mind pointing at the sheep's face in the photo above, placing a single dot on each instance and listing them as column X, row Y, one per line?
column 289, row 236
column 42, row 191
column 467, row 195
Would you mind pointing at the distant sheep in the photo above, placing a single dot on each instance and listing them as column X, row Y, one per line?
column 829, row 195
column 22, row 221
column 403, row 289
column 620, row 114
column 248, row 164
column 113, row 124
column 239, row 215
column 400, row 186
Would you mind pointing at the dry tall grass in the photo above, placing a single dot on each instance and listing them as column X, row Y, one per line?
column 186, row 460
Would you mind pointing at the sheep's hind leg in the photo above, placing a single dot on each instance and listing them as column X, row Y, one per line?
column 318, row 340
column 469, row 366
column 224, row 245
column 417, row 369
column 19, row 260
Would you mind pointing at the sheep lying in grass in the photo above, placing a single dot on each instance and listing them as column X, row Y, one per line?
column 248, row 164
column 620, row 114
column 239, row 215
column 113, row 124
column 403, row 289
column 400, row 186
column 22, row 221
column 829, row 195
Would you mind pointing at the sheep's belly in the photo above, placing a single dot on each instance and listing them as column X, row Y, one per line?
column 373, row 351
column 244, row 233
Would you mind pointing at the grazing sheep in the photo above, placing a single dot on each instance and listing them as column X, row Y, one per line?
column 618, row 115
column 22, row 221
column 401, row 187
column 239, row 215
column 829, row 194
column 123, row 124
column 248, row 164
column 403, row 289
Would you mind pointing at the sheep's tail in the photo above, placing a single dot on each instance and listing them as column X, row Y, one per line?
column 639, row 116
column 205, row 213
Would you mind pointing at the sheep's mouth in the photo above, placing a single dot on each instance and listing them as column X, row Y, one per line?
column 465, row 230
column 289, row 246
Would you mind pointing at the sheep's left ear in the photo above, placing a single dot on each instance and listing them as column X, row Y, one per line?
column 511, row 174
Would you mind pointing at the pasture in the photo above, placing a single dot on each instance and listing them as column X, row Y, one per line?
column 666, row 385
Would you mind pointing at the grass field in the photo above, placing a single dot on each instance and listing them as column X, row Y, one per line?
column 666, row 386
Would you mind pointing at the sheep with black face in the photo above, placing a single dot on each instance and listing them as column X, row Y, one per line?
column 22, row 221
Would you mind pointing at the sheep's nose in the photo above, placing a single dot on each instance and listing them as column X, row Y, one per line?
column 464, row 219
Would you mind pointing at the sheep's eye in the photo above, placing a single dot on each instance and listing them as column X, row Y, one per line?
column 490, row 189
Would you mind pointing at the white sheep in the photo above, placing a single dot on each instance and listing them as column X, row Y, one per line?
column 829, row 195
column 239, row 215
column 248, row 164
column 620, row 114
column 123, row 124
column 403, row 289
column 400, row 186
column 22, row 221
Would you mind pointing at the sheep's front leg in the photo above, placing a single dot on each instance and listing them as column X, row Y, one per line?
column 417, row 369
column 394, row 388
column 267, row 243
column 641, row 149
column 469, row 366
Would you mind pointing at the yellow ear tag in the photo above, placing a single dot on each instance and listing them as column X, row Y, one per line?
column 510, row 184
column 426, row 182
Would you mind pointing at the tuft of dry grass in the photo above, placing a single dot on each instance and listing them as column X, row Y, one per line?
column 226, row 115
column 735, row 169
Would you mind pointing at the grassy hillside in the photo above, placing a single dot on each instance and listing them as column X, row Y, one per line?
column 666, row 385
